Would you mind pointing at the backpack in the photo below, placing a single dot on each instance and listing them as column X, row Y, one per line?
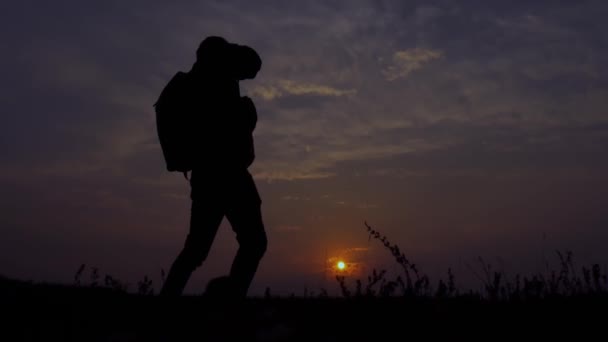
column 174, row 122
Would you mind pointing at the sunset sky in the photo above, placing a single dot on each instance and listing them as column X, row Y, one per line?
column 457, row 128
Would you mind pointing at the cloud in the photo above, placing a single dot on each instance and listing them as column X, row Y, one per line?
column 289, row 174
column 267, row 93
column 324, row 160
column 356, row 250
column 368, row 206
column 329, row 52
column 295, row 198
column 407, row 61
column 295, row 88
column 288, row 87
column 287, row 228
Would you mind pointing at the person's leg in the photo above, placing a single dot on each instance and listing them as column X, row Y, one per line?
column 245, row 217
column 205, row 219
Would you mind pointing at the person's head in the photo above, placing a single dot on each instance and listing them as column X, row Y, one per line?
column 217, row 56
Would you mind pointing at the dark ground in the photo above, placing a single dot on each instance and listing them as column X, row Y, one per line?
column 43, row 312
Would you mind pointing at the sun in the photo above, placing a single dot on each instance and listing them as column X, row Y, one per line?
column 341, row 265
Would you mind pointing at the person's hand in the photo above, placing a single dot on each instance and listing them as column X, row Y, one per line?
column 249, row 111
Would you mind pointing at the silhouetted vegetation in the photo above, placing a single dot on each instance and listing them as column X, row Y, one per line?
column 99, row 307
column 145, row 286
column 567, row 281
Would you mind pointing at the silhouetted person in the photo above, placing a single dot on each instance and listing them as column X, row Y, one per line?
column 221, row 185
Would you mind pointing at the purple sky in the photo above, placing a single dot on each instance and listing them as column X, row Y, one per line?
column 458, row 128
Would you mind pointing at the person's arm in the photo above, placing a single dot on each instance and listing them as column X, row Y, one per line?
column 249, row 113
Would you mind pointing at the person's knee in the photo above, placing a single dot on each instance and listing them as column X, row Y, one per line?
column 193, row 258
column 263, row 245
column 255, row 245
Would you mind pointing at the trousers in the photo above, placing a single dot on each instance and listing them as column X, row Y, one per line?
column 215, row 196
